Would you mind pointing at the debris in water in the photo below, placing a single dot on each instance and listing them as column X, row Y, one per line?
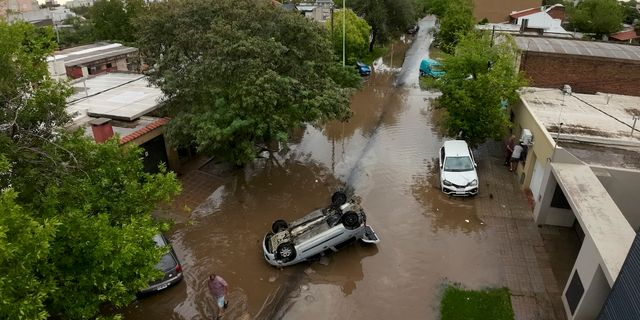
column 466, row 220
column 304, row 287
column 309, row 298
column 324, row 261
column 309, row 271
column 272, row 278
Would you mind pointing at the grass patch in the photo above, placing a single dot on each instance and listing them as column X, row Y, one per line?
column 427, row 83
column 375, row 54
column 490, row 304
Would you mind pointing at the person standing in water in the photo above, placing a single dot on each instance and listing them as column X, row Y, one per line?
column 218, row 288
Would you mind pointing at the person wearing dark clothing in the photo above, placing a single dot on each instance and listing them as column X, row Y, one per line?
column 508, row 149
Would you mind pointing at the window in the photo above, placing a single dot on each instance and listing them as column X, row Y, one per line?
column 109, row 65
column 458, row 164
column 574, row 292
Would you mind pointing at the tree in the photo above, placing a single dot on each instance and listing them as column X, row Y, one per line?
column 458, row 20
column 75, row 224
column 601, row 17
column 630, row 12
column 238, row 75
column 435, row 7
column 387, row 18
column 479, row 78
column 113, row 18
column 81, row 32
column 357, row 35
column 24, row 242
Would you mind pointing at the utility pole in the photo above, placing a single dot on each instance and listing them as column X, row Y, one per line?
column 344, row 33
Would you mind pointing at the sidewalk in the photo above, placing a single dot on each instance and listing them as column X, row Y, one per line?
column 535, row 291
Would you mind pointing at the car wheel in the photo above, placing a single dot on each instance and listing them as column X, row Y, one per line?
column 286, row 252
column 351, row 220
column 338, row 198
column 279, row 225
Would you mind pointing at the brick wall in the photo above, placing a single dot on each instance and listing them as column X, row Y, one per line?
column 583, row 74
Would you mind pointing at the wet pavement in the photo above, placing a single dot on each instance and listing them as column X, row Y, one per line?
column 386, row 153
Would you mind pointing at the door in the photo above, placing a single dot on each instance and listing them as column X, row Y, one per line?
column 536, row 179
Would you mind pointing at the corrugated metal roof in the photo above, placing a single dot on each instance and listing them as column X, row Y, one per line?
column 579, row 47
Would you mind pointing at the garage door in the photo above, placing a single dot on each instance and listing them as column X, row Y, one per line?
column 536, row 180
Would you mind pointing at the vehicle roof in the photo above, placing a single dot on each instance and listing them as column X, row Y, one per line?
column 430, row 62
column 456, row 148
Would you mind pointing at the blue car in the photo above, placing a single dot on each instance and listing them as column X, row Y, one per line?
column 431, row 68
column 363, row 69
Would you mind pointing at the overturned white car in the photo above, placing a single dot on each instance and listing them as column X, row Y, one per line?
column 319, row 231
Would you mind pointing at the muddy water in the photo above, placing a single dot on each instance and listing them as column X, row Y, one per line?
column 499, row 10
column 386, row 153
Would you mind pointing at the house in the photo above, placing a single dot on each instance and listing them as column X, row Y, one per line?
column 583, row 170
column 123, row 104
column 93, row 59
column 540, row 19
column 533, row 21
column 587, row 66
column 629, row 35
column 320, row 10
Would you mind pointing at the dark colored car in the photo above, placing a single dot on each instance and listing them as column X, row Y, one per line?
column 169, row 264
column 363, row 69
column 413, row 29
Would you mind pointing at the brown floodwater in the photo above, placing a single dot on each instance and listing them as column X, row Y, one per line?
column 499, row 10
column 386, row 154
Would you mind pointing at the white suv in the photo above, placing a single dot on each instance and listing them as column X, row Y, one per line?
column 458, row 174
column 323, row 230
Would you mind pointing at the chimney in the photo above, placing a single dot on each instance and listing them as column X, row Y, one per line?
column 102, row 129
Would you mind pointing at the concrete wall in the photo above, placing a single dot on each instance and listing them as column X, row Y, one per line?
column 543, row 143
column 622, row 185
column 543, row 213
column 596, row 286
column 583, row 74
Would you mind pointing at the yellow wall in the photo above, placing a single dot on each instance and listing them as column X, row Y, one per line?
column 542, row 142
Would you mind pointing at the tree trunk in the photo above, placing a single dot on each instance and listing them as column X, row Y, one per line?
column 373, row 39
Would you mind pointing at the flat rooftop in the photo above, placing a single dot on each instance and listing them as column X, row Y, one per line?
column 81, row 55
column 119, row 96
column 579, row 47
column 604, row 156
column 599, row 118
column 598, row 214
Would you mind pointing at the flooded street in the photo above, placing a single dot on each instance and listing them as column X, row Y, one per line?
column 387, row 153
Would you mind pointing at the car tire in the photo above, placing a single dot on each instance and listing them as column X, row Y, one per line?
column 286, row 252
column 338, row 198
column 279, row 225
column 351, row 220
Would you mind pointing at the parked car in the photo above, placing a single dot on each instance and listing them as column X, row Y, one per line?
column 323, row 230
column 413, row 29
column 169, row 264
column 431, row 68
column 363, row 68
column 458, row 174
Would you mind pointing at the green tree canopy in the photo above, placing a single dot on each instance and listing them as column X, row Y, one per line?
column 357, row 35
column 601, row 17
column 75, row 228
column 387, row 18
column 113, row 18
column 457, row 21
column 238, row 74
column 479, row 78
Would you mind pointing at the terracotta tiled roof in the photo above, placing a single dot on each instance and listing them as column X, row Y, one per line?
column 518, row 14
column 625, row 35
column 146, row 129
